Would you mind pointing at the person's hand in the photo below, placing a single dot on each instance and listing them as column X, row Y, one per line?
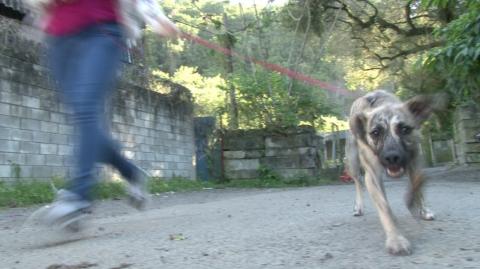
column 154, row 16
column 166, row 28
column 44, row 4
column 38, row 4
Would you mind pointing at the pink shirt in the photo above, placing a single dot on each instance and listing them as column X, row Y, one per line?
column 69, row 16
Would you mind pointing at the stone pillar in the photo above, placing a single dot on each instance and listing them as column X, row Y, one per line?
column 467, row 126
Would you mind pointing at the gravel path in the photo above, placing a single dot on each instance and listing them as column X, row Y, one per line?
column 229, row 229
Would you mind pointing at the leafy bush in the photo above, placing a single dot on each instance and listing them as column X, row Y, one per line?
column 458, row 60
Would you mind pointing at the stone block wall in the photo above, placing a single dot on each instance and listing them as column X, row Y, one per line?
column 289, row 154
column 442, row 152
column 35, row 134
column 155, row 129
column 467, row 125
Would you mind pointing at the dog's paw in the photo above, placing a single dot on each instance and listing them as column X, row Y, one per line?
column 398, row 245
column 422, row 213
column 358, row 211
column 427, row 214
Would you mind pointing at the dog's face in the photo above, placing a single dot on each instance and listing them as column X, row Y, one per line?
column 391, row 131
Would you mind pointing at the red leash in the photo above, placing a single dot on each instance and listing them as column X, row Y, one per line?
column 270, row 66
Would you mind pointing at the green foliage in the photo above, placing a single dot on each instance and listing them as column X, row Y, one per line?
column 361, row 44
column 158, row 185
column 109, row 190
column 28, row 192
column 21, row 193
column 458, row 60
column 438, row 3
column 330, row 123
column 16, row 170
column 207, row 92
column 265, row 98
column 453, row 67
column 25, row 193
column 300, row 181
column 308, row 15
column 265, row 101
column 266, row 173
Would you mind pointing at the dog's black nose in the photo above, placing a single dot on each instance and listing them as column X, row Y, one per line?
column 392, row 158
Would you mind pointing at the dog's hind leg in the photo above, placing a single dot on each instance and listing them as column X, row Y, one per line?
column 414, row 198
column 358, row 208
column 354, row 170
column 396, row 243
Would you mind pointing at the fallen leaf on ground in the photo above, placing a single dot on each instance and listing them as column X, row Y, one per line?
column 123, row 266
column 327, row 256
column 78, row 266
column 177, row 237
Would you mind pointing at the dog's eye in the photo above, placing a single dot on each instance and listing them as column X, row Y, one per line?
column 405, row 130
column 375, row 133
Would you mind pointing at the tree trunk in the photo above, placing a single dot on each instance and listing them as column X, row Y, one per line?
column 233, row 122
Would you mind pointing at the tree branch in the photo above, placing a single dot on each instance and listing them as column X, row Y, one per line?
column 408, row 13
column 381, row 22
column 350, row 14
column 414, row 50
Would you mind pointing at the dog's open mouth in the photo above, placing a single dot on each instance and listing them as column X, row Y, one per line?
column 395, row 171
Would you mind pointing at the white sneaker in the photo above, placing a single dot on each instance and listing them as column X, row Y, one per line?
column 137, row 191
column 66, row 210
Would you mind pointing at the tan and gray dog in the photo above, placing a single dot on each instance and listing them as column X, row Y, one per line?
column 384, row 141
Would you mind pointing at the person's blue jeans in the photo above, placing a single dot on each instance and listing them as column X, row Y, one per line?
column 85, row 66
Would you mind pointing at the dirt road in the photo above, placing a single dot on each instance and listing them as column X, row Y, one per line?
column 249, row 229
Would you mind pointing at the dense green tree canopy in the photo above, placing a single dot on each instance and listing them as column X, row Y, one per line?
column 406, row 46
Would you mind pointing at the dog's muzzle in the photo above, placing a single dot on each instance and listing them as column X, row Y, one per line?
column 395, row 171
column 394, row 163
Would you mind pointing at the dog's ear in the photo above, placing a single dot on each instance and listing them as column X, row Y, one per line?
column 358, row 124
column 421, row 107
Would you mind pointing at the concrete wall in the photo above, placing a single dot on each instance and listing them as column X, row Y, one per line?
column 36, row 137
column 467, row 125
column 289, row 154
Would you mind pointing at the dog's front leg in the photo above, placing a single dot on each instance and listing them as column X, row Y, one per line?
column 396, row 243
column 414, row 197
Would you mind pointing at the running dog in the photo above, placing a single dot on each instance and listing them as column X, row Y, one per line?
column 385, row 139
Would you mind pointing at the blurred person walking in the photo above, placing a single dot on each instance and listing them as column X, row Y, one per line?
column 85, row 40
